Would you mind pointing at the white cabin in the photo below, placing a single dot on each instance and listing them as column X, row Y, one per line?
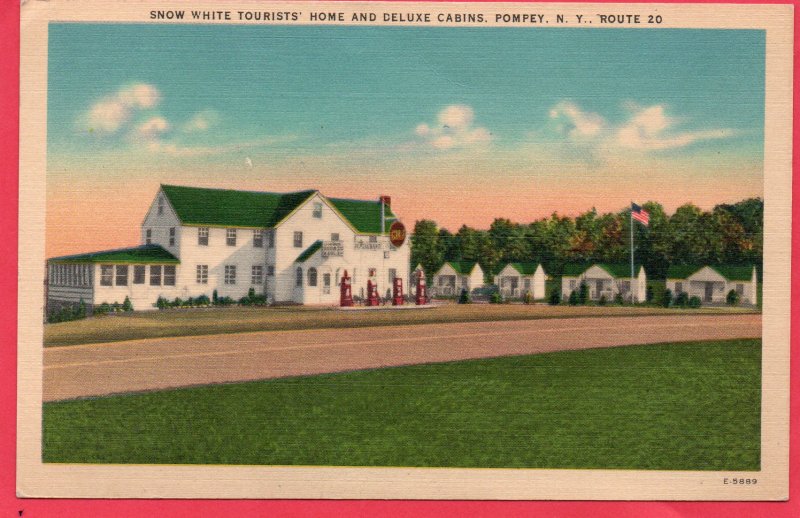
column 606, row 280
column 455, row 276
column 711, row 284
column 517, row 279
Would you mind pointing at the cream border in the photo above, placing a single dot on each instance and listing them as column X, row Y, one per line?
column 35, row 479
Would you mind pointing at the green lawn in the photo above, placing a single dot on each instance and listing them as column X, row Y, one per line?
column 681, row 406
column 186, row 322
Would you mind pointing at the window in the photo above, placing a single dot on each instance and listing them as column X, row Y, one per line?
column 138, row 274
column 258, row 238
column 202, row 236
column 326, row 283
column 148, row 236
column 740, row 289
column 572, row 284
column 678, row 288
column 392, row 275
column 257, row 276
column 106, row 275
column 122, row 275
column 270, row 270
column 202, row 274
column 335, row 237
column 230, row 274
column 271, row 238
column 526, row 284
column 298, row 240
column 155, row 275
column 626, row 285
column 160, row 205
column 312, row 276
column 230, row 237
column 298, row 277
column 317, row 210
column 373, row 239
column 171, row 236
column 169, row 275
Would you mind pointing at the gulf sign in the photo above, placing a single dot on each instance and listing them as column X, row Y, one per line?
column 397, row 234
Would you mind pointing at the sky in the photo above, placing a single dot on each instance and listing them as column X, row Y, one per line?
column 458, row 125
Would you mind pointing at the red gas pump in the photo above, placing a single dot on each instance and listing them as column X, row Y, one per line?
column 346, row 291
column 372, row 293
column 422, row 293
column 397, row 292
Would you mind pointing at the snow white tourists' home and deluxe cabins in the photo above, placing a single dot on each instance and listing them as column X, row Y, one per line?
column 291, row 247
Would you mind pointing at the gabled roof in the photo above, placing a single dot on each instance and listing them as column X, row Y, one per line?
column 525, row 268
column 364, row 215
column 145, row 254
column 730, row 272
column 462, row 267
column 230, row 208
column 615, row 270
column 308, row 252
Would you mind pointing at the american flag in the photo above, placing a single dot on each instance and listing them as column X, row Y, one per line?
column 640, row 215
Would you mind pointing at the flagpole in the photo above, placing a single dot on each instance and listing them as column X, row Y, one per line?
column 632, row 297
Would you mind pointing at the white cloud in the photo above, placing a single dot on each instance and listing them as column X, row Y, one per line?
column 454, row 129
column 201, row 121
column 152, row 128
column 110, row 114
column 648, row 128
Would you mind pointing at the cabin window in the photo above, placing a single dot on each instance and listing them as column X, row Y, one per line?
column 317, row 210
column 740, row 289
column 138, row 274
column 392, row 275
column 257, row 275
column 270, row 270
column 148, row 236
column 258, row 238
column 335, row 237
column 155, row 275
column 160, row 205
column 230, row 274
column 626, row 285
column 169, row 275
column 572, row 284
column 121, row 275
column 202, row 236
column 678, row 288
column 202, row 274
column 271, row 238
column 106, row 275
column 171, row 236
column 373, row 239
column 298, row 277
column 230, row 237
column 298, row 239
column 312, row 276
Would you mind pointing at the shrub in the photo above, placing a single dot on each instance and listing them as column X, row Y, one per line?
column 251, row 293
column 695, row 302
column 126, row 304
column 603, row 300
column 214, row 297
column 224, row 301
column 682, row 300
column 161, row 303
column 464, row 298
column 202, row 300
column 666, row 301
column 81, row 311
column 528, row 298
column 496, row 298
column 732, row 298
column 245, row 301
column 649, row 294
column 102, row 309
column 555, row 298
column 583, row 294
column 573, row 298
column 619, row 299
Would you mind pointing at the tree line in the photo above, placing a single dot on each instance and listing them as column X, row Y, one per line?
column 727, row 234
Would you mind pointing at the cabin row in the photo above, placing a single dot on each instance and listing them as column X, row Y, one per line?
column 711, row 284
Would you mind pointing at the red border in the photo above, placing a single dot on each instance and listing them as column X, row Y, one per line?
column 10, row 505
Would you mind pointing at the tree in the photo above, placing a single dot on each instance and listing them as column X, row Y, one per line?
column 425, row 249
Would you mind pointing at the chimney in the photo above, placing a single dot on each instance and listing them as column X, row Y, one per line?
column 386, row 200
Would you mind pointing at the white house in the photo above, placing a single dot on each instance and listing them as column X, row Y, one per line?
column 605, row 280
column 291, row 247
column 517, row 279
column 713, row 283
column 455, row 276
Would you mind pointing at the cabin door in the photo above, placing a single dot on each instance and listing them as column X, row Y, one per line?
column 709, row 292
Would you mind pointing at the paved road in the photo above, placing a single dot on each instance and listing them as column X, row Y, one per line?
column 139, row 365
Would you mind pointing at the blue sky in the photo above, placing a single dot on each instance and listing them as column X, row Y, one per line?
column 599, row 115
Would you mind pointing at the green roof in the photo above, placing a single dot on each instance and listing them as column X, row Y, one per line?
column 308, row 252
column 229, row 208
column 223, row 207
column 145, row 254
column 525, row 268
column 364, row 215
column 730, row 272
column 615, row 270
column 462, row 267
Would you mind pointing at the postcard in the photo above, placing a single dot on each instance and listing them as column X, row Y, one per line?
column 404, row 250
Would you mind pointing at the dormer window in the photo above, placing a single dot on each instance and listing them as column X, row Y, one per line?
column 160, row 205
column 317, row 210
